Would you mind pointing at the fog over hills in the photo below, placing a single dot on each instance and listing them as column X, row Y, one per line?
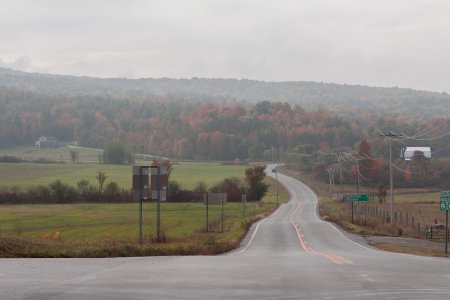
column 310, row 95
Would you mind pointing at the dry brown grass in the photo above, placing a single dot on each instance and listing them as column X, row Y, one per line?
column 409, row 249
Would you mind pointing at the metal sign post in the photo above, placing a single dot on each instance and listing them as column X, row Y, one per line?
column 351, row 203
column 446, row 232
column 445, row 206
column 356, row 198
column 159, row 183
column 215, row 199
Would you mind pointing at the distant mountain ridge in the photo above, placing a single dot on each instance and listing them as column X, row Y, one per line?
column 310, row 95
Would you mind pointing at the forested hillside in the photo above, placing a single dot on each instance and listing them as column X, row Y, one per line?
column 310, row 95
column 204, row 118
column 192, row 129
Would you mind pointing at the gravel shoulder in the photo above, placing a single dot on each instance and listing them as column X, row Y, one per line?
column 403, row 244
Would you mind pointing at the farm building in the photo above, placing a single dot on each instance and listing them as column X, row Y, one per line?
column 408, row 152
column 47, row 142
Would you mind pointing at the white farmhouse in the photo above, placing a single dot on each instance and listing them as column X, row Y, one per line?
column 408, row 152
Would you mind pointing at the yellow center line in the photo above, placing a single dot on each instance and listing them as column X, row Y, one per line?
column 334, row 258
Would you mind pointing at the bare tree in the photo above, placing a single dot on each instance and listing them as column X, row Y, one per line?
column 101, row 178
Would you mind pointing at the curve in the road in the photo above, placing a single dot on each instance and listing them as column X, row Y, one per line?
column 290, row 255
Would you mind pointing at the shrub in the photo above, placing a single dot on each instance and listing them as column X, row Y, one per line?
column 62, row 193
column 233, row 187
column 39, row 194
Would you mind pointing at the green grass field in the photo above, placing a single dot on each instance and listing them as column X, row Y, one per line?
column 112, row 229
column 188, row 174
column 119, row 221
column 89, row 230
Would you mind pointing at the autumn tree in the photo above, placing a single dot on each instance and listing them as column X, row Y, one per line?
column 233, row 187
column 164, row 163
column 254, row 176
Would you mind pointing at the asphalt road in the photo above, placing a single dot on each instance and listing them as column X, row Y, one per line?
column 290, row 255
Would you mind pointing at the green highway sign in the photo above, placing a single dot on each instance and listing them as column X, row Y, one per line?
column 445, row 201
column 358, row 197
column 445, row 205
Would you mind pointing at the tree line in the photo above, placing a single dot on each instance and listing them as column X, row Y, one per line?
column 109, row 192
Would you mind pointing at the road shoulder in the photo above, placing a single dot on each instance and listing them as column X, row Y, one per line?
column 396, row 244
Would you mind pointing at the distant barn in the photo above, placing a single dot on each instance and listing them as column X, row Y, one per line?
column 47, row 142
column 409, row 152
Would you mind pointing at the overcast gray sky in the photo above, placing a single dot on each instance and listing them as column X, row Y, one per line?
column 403, row 43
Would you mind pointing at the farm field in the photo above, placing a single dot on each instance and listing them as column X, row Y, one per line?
column 112, row 229
column 70, row 230
column 86, row 155
column 91, row 222
column 188, row 174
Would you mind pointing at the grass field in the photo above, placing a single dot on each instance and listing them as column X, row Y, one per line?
column 119, row 221
column 88, row 230
column 112, row 229
column 432, row 197
column 188, row 174
column 90, row 222
column 86, row 155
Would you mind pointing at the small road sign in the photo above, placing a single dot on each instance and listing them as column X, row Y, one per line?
column 445, row 201
column 358, row 197
column 445, row 206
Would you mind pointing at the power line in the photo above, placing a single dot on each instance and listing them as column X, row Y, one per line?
column 390, row 135
column 431, row 139
column 439, row 150
column 423, row 133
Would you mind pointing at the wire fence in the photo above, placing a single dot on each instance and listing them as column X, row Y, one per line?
column 420, row 220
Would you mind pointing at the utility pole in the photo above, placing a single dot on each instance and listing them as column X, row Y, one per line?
column 357, row 177
column 272, row 154
column 342, row 189
column 390, row 135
